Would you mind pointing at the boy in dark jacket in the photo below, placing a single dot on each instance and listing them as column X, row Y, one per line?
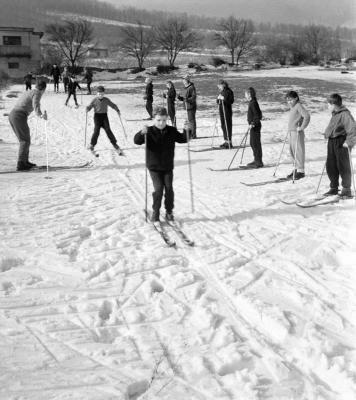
column 190, row 104
column 89, row 78
column 171, row 98
column 149, row 97
column 28, row 81
column 225, row 101
column 161, row 139
column 341, row 135
column 254, row 116
column 101, row 120
column 72, row 87
column 56, row 73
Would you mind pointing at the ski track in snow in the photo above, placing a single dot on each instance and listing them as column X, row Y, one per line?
column 94, row 306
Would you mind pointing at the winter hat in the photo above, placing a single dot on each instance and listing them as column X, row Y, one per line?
column 100, row 89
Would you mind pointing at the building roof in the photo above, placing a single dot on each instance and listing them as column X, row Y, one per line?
column 20, row 29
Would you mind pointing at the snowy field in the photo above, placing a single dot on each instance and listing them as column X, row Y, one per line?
column 94, row 306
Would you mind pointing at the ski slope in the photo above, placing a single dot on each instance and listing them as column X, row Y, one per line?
column 93, row 305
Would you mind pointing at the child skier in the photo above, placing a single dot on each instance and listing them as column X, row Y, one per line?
column 341, row 135
column 161, row 139
column 56, row 73
column 28, row 81
column 170, row 95
column 254, row 116
column 89, row 78
column 28, row 102
column 72, row 87
column 101, row 120
column 65, row 76
column 148, row 97
column 190, row 104
column 225, row 100
column 298, row 120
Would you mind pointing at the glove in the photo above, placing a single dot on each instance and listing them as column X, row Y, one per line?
column 180, row 98
column 44, row 116
column 144, row 130
column 220, row 97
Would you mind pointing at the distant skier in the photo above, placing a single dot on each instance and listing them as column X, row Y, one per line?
column 341, row 135
column 190, row 104
column 28, row 81
column 170, row 95
column 65, row 77
column 56, row 73
column 299, row 119
column 254, row 116
column 161, row 139
column 28, row 102
column 100, row 104
column 225, row 100
column 148, row 97
column 72, row 87
column 89, row 78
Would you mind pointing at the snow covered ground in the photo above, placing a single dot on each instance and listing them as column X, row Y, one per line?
column 93, row 305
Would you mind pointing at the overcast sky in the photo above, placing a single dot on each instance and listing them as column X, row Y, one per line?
column 330, row 12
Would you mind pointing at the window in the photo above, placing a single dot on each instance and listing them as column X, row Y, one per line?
column 12, row 40
column 14, row 65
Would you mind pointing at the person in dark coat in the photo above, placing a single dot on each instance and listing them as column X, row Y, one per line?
column 72, row 87
column 56, row 73
column 149, row 96
column 225, row 100
column 190, row 104
column 170, row 95
column 65, row 77
column 161, row 139
column 28, row 102
column 89, row 78
column 254, row 116
column 28, row 81
column 341, row 135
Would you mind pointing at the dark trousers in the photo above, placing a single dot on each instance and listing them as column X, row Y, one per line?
column 65, row 84
column 226, row 128
column 18, row 122
column 162, row 180
column 88, row 86
column 338, row 163
column 28, row 86
column 74, row 96
column 102, row 121
column 56, row 85
column 255, row 143
column 171, row 112
column 192, row 122
column 149, row 107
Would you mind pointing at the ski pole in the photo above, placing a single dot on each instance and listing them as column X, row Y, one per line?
column 85, row 130
column 244, row 139
column 81, row 97
column 146, row 177
column 214, row 131
column 226, row 130
column 352, row 171
column 46, row 134
column 243, row 149
column 280, row 156
column 321, row 177
column 295, row 155
column 190, row 174
column 123, row 128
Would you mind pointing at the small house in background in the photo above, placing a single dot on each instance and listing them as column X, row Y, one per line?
column 98, row 52
column 20, row 51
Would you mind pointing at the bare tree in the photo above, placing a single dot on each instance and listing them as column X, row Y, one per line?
column 237, row 36
column 316, row 41
column 138, row 42
column 174, row 36
column 72, row 38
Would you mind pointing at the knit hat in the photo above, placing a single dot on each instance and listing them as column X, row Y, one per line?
column 100, row 89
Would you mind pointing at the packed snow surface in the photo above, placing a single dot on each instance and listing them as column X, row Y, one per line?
column 94, row 306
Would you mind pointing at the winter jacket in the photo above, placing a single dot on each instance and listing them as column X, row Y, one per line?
column 298, row 117
column 342, row 124
column 149, row 92
column 170, row 95
column 254, row 114
column 88, row 76
column 190, row 97
column 56, row 73
column 29, row 101
column 28, row 78
column 101, row 105
column 227, row 102
column 160, row 146
column 72, row 85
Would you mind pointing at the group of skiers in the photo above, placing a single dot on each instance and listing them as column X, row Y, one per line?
column 160, row 138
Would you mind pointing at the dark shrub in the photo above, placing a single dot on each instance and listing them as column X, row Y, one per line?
column 217, row 61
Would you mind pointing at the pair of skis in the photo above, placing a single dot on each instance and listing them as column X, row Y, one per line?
column 96, row 154
column 43, row 168
column 161, row 229
column 316, row 201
